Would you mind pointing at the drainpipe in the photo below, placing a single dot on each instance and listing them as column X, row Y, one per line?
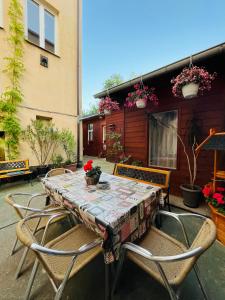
column 78, row 70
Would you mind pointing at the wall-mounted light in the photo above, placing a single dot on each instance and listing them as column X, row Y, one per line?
column 44, row 61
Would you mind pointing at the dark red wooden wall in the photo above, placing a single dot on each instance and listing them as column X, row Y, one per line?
column 208, row 111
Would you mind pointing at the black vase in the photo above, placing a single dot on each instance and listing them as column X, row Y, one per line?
column 192, row 195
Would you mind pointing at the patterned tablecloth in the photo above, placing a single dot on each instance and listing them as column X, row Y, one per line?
column 122, row 213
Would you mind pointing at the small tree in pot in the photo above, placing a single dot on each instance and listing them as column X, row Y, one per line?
column 68, row 143
column 43, row 139
column 191, row 192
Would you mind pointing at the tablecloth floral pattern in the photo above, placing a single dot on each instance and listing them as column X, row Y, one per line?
column 122, row 213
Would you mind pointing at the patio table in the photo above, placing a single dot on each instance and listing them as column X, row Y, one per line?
column 122, row 213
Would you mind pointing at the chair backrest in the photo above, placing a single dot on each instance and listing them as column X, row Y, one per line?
column 12, row 199
column 13, row 166
column 58, row 171
column 206, row 235
column 204, row 239
column 157, row 177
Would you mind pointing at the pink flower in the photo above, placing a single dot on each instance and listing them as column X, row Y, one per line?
column 195, row 75
column 219, row 198
column 141, row 92
column 207, row 191
column 108, row 104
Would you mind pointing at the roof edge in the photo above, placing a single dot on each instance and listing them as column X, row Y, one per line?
column 168, row 68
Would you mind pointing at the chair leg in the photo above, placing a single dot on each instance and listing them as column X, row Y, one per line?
column 118, row 271
column 170, row 290
column 197, row 273
column 168, row 203
column 31, row 280
column 14, row 246
column 18, row 271
column 58, row 295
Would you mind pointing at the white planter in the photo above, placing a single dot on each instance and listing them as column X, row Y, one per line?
column 190, row 90
column 141, row 103
column 107, row 112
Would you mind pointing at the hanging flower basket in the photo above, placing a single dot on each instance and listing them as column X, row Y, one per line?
column 107, row 112
column 141, row 103
column 107, row 105
column 140, row 97
column 191, row 81
column 190, row 90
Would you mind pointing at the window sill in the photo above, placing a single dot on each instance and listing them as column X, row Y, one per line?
column 1, row 27
column 29, row 42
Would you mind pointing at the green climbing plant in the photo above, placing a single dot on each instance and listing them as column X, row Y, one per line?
column 12, row 95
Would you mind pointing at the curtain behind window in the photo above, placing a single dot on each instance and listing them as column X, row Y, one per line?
column 163, row 139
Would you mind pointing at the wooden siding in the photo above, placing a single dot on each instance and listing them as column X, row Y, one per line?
column 208, row 111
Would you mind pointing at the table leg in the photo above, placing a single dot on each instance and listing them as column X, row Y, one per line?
column 107, row 281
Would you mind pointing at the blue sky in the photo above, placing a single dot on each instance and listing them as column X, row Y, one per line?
column 137, row 36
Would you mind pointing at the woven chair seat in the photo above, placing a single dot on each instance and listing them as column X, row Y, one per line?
column 160, row 244
column 70, row 240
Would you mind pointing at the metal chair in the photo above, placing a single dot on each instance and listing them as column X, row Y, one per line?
column 35, row 225
column 58, row 171
column 62, row 257
column 165, row 258
column 23, row 210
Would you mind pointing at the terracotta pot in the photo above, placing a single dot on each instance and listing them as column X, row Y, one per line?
column 141, row 103
column 191, row 196
column 107, row 112
column 92, row 180
column 219, row 220
column 190, row 90
column 71, row 167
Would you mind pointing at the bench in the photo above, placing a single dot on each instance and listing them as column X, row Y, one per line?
column 12, row 168
column 155, row 177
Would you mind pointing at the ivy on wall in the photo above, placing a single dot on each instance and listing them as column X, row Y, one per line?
column 12, row 95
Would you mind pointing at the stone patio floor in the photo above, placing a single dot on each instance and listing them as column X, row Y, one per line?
column 89, row 282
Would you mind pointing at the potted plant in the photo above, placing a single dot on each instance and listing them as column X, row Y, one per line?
column 141, row 96
column 43, row 139
column 191, row 192
column 216, row 202
column 107, row 105
column 57, row 161
column 92, row 173
column 68, row 143
column 191, row 81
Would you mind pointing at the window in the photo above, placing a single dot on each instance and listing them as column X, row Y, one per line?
column 1, row 13
column 45, row 120
column 163, row 139
column 40, row 26
column 90, row 132
column 49, row 31
column 33, row 22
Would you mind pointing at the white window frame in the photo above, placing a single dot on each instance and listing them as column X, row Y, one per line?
column 1, row 14
column 149, row 141
column 90, row 132
column 42, row 9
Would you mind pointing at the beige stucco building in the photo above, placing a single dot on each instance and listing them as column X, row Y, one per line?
column 52, row 37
